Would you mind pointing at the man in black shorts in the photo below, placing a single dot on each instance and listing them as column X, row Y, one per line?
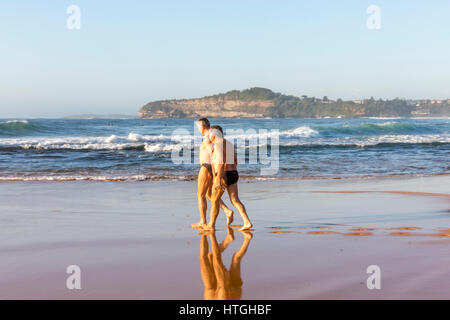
column 226, row 176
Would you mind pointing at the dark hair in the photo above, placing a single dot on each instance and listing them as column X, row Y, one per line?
column 204, row 122
column 218, row 128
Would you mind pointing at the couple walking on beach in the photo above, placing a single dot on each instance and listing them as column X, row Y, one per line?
column 218, row 172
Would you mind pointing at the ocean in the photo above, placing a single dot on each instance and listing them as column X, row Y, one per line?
column 142, row 149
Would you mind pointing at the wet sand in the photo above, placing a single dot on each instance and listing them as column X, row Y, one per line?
column 313, row 239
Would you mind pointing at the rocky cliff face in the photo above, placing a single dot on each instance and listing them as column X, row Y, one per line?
column 215, row 106
column 261, row 102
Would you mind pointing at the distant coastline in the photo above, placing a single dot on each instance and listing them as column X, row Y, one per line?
column 262, row 102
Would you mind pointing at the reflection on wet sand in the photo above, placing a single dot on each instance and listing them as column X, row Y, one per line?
column 359, row 234
column 322, row 232
column 221, row 283
column 283, row 232
column 406, row 193
column 363, row 231
column 403, row 233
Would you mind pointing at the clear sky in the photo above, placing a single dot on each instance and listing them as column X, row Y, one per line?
column 128, row 53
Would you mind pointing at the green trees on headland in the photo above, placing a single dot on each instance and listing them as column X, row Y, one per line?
column 266, row 103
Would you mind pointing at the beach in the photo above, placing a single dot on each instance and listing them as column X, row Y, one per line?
column 313, row 239
column 326, row 126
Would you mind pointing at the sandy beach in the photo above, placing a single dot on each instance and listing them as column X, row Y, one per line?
column 313, row 239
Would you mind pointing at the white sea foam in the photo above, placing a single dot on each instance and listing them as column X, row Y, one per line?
column 16, row 121
column 112, row 142
column 303, row 131
column 134, row 137
column 93, row 178
column 371, row 141
column 111, row 139
column 300, row 132
column 300, row 136
column 149, row 143
column 160, row 147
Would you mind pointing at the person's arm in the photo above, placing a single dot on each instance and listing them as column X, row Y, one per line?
column 213, row 161
column 220, row 164
column 218, row 177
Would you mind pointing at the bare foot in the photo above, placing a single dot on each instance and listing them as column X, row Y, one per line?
column 228, row 239
column 208, row 227
column 204, row 232
column 230, row 235
column 246, row 226
column 229, row 217
column 198, row 225
column 247, row 234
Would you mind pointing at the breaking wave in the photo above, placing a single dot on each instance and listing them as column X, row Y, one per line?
column 16, row 127
column 389, row 127
column 301, row 136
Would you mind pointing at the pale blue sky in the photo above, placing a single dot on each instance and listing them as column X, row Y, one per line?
column 128, row 53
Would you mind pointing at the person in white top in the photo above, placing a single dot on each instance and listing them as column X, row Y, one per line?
column 205, row 176
column 225, row 177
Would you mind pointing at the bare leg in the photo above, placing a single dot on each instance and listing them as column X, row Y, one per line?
column 230, row 217
column 237, row 257
column 234, row 198
column 229, row 213
column 216, row 195
column 235, row 267
column 228, row 239
column 221, row 273
column 206, row 269
column 203, row 184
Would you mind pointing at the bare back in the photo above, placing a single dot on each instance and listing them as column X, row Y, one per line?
column 219, row 155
